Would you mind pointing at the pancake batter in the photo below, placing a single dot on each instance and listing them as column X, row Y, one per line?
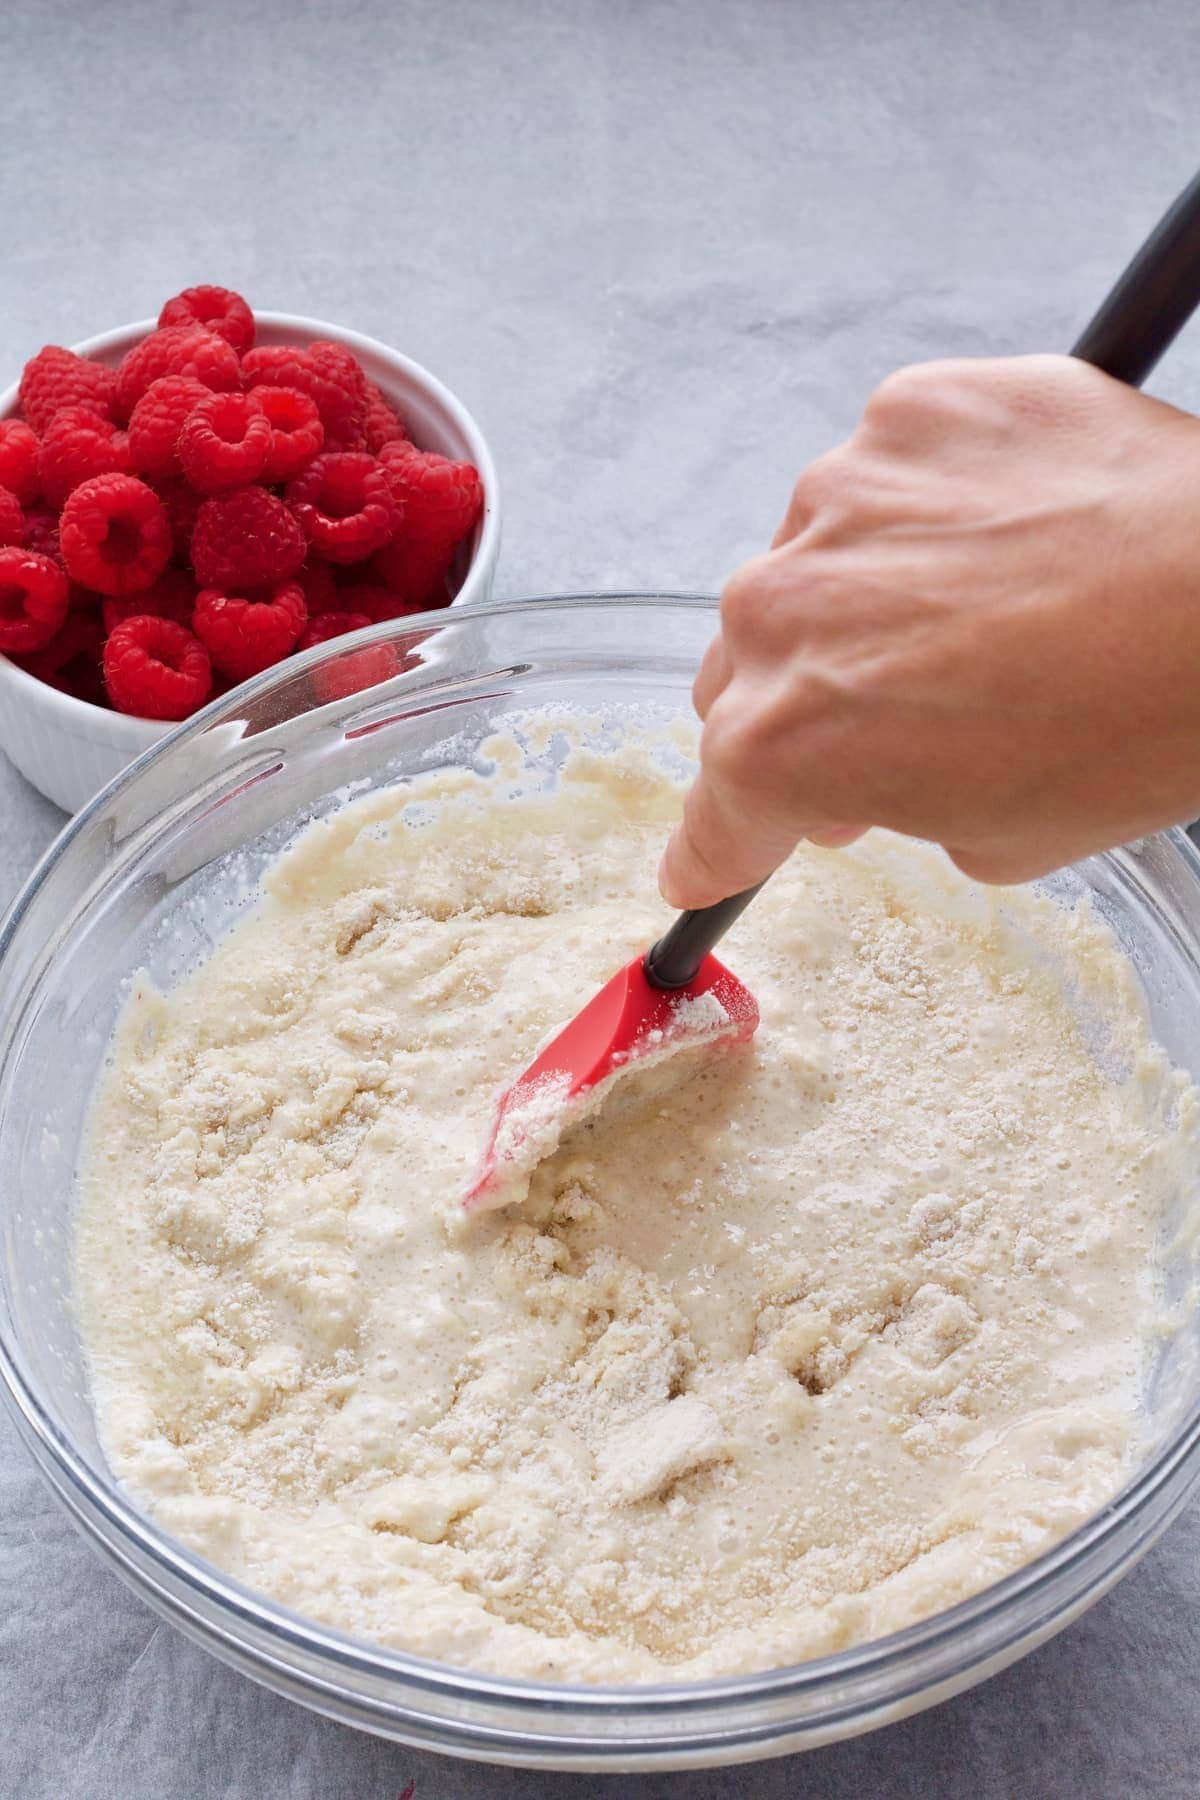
column 815, row 1341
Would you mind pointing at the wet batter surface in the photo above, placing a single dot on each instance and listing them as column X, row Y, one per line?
column 815, row 1341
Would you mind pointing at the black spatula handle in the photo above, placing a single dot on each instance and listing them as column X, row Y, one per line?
column 1152, row 301
column 1137, row 323
column 676, row 957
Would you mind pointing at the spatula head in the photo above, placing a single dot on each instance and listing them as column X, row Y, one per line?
column 627, row 1022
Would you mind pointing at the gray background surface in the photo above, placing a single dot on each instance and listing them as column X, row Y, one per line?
column 663, row 251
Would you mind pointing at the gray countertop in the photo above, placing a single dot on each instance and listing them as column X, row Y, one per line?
column 663, row 250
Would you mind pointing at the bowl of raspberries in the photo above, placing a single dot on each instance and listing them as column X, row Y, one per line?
column 185, row 502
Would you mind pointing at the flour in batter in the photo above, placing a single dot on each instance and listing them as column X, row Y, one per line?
column 778, row 1358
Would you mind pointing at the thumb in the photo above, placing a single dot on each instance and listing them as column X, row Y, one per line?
column 718, row 849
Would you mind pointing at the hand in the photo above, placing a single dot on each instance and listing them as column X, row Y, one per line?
column 979, row 623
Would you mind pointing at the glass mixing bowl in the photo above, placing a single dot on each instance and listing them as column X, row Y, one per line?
column 153, row 872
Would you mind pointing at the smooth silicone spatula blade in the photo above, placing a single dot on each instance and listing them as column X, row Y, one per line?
column 677, row 997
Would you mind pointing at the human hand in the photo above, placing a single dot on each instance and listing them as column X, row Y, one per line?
column 979, row 624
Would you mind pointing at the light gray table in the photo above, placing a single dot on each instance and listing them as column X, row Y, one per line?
column 664, row 250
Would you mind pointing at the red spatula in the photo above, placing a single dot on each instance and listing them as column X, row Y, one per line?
column 676, row 996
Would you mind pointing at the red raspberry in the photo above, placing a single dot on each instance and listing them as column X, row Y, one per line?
column 344, row 502
column 417, row 572
column 71, row 660
column 155, row 669
column 157, row 420
column 441, row 499
column 331, row 625
column 382, row 424
column 19, row 460
column 41, row 533
column 320, row 589
column 218, row 308
column 77, row 445
column 176, row 350
column 12, row 519
column 246, row 539
column 244, row 636
column 296, row 430
column 173, row 596
column 182, row 504
column 115, row 534
column 224, row 443
column 55, row 378
column 33, row 600
column 354, row 671
column 378, row 603
column 326, row 372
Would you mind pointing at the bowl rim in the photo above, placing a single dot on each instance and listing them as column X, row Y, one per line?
column 80, row 717
column 101, row 1493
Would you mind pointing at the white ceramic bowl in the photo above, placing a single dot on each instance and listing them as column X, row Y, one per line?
column 70, row 749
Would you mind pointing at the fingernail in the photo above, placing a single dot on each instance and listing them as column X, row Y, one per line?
column 837, row 837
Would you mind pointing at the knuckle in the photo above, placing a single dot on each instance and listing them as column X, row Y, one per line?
column 711, row 677
column 777, row 601
column 751, row 741
column 986, row 393
column 745, row 597
column 915, row 385
column 731, row 745
column 828, row 501
column 920, row 391
column 825, row 482
column 721, row 751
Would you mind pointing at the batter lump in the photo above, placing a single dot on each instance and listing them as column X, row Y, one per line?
column 784, row 1354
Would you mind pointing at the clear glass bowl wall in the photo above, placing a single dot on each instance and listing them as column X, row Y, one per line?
column 153, row 873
